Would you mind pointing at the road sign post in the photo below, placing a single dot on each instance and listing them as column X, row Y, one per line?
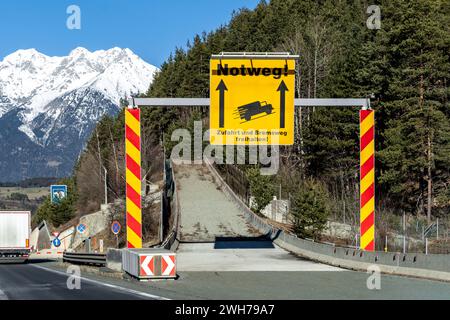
column 115, row 228
column 133, row 177
column 81, row 228
column 367, row 180
column 58, row 193
column 56, row 242
column 252, row 99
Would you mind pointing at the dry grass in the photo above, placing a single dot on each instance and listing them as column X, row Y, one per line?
column 32, row 193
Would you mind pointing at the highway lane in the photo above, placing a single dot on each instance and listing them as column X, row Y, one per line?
column 31, row 281
column 302, row 285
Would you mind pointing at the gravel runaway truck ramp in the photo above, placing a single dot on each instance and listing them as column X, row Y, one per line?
column 215, row 236
column 206, row 213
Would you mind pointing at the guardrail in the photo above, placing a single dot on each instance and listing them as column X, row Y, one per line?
column 97, row 259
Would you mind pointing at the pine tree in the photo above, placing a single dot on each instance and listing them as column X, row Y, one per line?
column 416, row 136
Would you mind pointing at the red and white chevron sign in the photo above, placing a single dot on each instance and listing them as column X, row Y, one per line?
column 157, row 265
column 147, row 265
column 168, row 265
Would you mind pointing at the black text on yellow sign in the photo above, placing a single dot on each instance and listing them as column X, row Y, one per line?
column 252, row 101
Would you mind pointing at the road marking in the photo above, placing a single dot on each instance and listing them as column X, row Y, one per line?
column 135, row 292
column 3, row 295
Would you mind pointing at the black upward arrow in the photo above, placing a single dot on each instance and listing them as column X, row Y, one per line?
column 282, row 88
column 222, row 88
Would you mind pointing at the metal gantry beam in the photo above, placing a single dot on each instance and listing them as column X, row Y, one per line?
column 205, row 102
column 255, row 55
column 169, row 102
column 333, row 102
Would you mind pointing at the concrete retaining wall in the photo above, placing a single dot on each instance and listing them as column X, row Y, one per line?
column 277, row 210
column 339, row 230
column 34, row 237
column 43, row 240
column 432, row 266
column 95, row 222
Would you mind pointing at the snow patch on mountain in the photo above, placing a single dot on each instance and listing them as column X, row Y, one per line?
column 32, row 80
column 49, row 105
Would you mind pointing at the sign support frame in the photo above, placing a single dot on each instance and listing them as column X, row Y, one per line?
column 363, row 103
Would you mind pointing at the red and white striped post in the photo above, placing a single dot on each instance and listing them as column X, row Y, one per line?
column 133, row 177
column 367, row 180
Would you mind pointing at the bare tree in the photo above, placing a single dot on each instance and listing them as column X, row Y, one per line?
column 314, row 45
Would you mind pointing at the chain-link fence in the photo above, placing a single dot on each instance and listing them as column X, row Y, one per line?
column 395, row 233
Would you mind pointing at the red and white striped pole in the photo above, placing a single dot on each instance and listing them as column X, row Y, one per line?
column 133, row 177
column 367, row 180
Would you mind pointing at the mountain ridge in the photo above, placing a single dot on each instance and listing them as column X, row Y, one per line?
column 53, row 102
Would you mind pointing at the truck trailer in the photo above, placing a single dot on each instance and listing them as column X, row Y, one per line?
column 14, row 236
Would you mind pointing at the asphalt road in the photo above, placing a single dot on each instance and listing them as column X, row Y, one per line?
column 31, row 281
column 303, row 285
column 48, row 281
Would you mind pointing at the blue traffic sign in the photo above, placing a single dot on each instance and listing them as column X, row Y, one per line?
column 56, row 242
column 81, row 228
column 116, row 227
column 58, row 193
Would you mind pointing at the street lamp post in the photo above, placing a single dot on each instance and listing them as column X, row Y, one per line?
column 106, row 187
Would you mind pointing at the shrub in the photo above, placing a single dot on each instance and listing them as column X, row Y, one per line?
column 309, row 209
column 17, row 196
column 58, row 213
column 261, row 188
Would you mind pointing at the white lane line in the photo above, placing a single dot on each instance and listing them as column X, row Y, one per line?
column 135, row 292
column 3, row 295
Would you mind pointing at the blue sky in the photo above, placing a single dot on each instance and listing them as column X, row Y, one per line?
column 150, row 28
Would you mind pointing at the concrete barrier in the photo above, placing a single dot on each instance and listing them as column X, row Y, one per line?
column 150, row 263
column 114, row 259
column 432, row 266
column 47, row 254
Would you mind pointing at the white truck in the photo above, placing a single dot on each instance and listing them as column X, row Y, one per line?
column 14, row 236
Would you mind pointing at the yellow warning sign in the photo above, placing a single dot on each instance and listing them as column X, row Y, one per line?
column 252, row 101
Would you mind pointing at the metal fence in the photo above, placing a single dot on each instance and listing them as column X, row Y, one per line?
column 172, row 209
column 402, row 233
column 236, row 179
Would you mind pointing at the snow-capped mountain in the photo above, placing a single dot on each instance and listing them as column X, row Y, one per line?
column 49, row 105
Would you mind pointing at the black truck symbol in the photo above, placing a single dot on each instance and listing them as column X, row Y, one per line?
column 247, row 111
